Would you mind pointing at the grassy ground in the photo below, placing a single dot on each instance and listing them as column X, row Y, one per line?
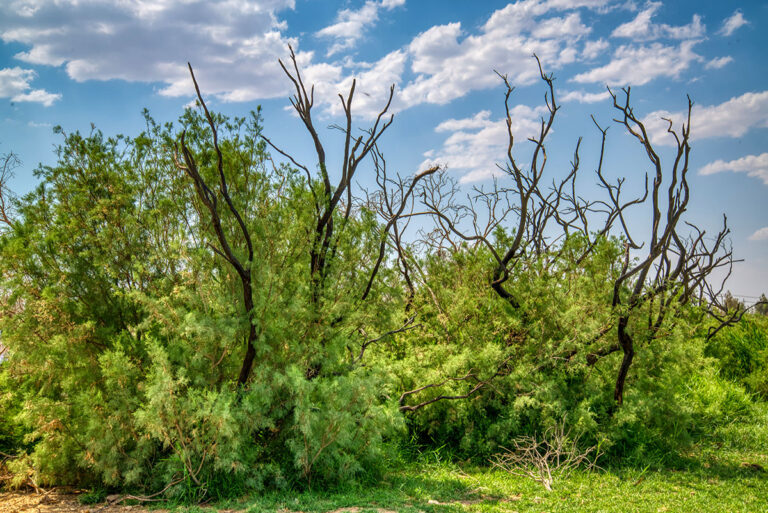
column 728, row 472
column 448, row 489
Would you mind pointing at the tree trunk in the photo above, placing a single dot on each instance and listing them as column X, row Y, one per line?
column 629, row 353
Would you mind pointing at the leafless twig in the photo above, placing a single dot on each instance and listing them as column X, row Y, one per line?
column 544, row 459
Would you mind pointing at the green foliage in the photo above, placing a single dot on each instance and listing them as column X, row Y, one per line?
column 742, row 353
column 126, row 330
column 92, row 497
column 550, row 364
column 11, row 431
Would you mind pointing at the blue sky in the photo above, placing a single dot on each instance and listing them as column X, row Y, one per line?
column 77, row 62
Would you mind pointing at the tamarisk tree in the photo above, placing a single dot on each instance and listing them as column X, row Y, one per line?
column 544, row 212
column 332, row 204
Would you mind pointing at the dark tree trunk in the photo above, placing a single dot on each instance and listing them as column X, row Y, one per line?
column 629, row 353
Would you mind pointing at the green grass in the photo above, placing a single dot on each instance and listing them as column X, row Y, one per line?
column 721, row 485
column 448, row 488
column 727, row 471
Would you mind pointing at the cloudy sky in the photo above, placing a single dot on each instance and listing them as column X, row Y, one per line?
column 77, row 62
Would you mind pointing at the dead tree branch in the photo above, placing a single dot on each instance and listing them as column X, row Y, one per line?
column 356, row 149
column 553, row 456
column 210, row 199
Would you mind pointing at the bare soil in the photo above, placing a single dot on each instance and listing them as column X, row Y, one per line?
column 60, row 502
column 57, row 502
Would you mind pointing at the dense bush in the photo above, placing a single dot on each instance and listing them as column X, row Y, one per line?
column 125, row 330
column 550, row 372
column 142, row 274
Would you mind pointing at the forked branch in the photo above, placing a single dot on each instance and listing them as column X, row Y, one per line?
column 209, row 198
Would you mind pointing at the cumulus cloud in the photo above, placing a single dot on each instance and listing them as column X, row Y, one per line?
column 594, row 48
column 642, row 27
column 372, row 88
column 755, row 166
column 718, row 62
column 638, row 65
column 391, row 4
column 584, row 97
column 449, row 64
column 761, row 234
column 575, row 4
column 732, row 118
column 446, row 62
column 16, row 84
column 233, row 44
column 351, row 24
column 479, row 120
column 732, row 23
column 476, row 144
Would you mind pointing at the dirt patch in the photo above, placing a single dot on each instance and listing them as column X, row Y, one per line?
column 355, row 509
column 54, row 502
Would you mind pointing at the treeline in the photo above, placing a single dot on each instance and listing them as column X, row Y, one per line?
column 192, row 311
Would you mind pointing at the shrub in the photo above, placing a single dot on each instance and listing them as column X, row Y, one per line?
column 742, row 353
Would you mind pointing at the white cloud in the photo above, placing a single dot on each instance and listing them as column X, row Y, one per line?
column 391, row 4
column 718, row 62
column 450, row 64
column 476, row 144
column 638, row 65
column 233, row 44
column 575, row 4
column 479, row 120
column 372, row 88
column 755, row 166
column 564, row 27
column 594, row 48
column 761, row 234
column 642, row 27
column 350, row 24
column 447, row 62
column 15, row 83
column 584, row 97
column 732, row 118
column 733, row 23
column 37, row 96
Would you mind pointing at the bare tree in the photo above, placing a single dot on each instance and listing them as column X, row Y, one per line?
column 675, row 265
column 543, row 214
column 333, row 203
column 390, row 201
column 536, row 203
column 330, row 198
column 726, row 310
column 210, row 198
column 679, row 259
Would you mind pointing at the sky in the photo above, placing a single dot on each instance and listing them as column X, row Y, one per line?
column 84, row 63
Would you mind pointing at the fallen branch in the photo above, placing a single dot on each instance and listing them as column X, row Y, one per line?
column 554, row 456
